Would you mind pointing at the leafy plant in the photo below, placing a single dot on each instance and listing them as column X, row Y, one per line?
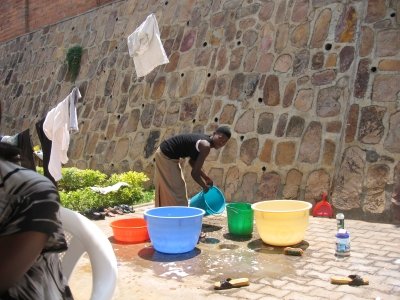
column 148, row 196
column 131, row 177
column 40, row 170
column 129, row 194
column 74, row 179
column 80, row 200
column 76, row 194
column 74, row 55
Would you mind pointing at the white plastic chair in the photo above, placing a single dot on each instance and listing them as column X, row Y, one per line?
column 84, row 236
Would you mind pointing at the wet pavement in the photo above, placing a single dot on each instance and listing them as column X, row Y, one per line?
column 147, row 274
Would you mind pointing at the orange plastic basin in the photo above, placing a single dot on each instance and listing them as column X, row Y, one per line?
column 132, row 230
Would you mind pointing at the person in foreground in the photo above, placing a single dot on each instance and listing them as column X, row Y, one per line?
column 31, row 234
column 170, row 185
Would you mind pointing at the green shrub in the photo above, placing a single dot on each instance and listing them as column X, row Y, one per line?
column 131, row 178
column 148, row 196
column 40, row 170
column 81, row 200
column 133, row 193
column 74, row 179
column 76, row 194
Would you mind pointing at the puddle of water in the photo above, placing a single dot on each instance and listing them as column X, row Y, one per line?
column 152, row 255
column 259, row 246
column 219, row 255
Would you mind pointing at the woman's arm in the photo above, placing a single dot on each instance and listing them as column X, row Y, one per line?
column 207, row 179
column 203, row 175
column 197, row 174
column 18, row 252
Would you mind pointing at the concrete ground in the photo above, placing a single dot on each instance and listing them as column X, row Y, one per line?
column 147, row 274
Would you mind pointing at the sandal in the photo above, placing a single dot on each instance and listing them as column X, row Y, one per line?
column 352, row 280
column 94, row 215
column 118, row 210
column 98, row 216
column 231, row 283
column 131, row 209
column 125, row 208
column 109, row 213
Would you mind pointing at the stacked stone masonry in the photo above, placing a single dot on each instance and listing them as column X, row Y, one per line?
column 310, row 88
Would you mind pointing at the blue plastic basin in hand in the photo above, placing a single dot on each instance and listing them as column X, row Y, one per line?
column 213, row 202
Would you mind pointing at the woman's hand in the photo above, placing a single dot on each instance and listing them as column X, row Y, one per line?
column 209, row 181
column 209, row 184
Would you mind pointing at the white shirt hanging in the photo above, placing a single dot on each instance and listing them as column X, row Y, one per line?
column 145, row 46
column 59, row 121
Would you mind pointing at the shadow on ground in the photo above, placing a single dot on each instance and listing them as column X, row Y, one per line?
column 150, row 254
column 260, row 247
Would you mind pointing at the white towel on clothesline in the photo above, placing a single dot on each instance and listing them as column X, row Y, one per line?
column 145, row 46
column 57, row 125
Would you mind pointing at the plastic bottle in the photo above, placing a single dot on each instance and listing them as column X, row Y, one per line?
column 340, row 221
column 342, row 243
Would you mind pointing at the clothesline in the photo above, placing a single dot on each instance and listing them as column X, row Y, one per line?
column 146, row 48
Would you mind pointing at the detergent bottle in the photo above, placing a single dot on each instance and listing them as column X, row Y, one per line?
column 342, row 243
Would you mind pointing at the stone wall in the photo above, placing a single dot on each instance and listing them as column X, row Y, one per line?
column 310, row 89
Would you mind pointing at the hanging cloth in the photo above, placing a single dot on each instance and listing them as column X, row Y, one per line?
column 145, row 46
column 73, row 117
column 46, row 149
column 26, row 146
column 57, row 126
